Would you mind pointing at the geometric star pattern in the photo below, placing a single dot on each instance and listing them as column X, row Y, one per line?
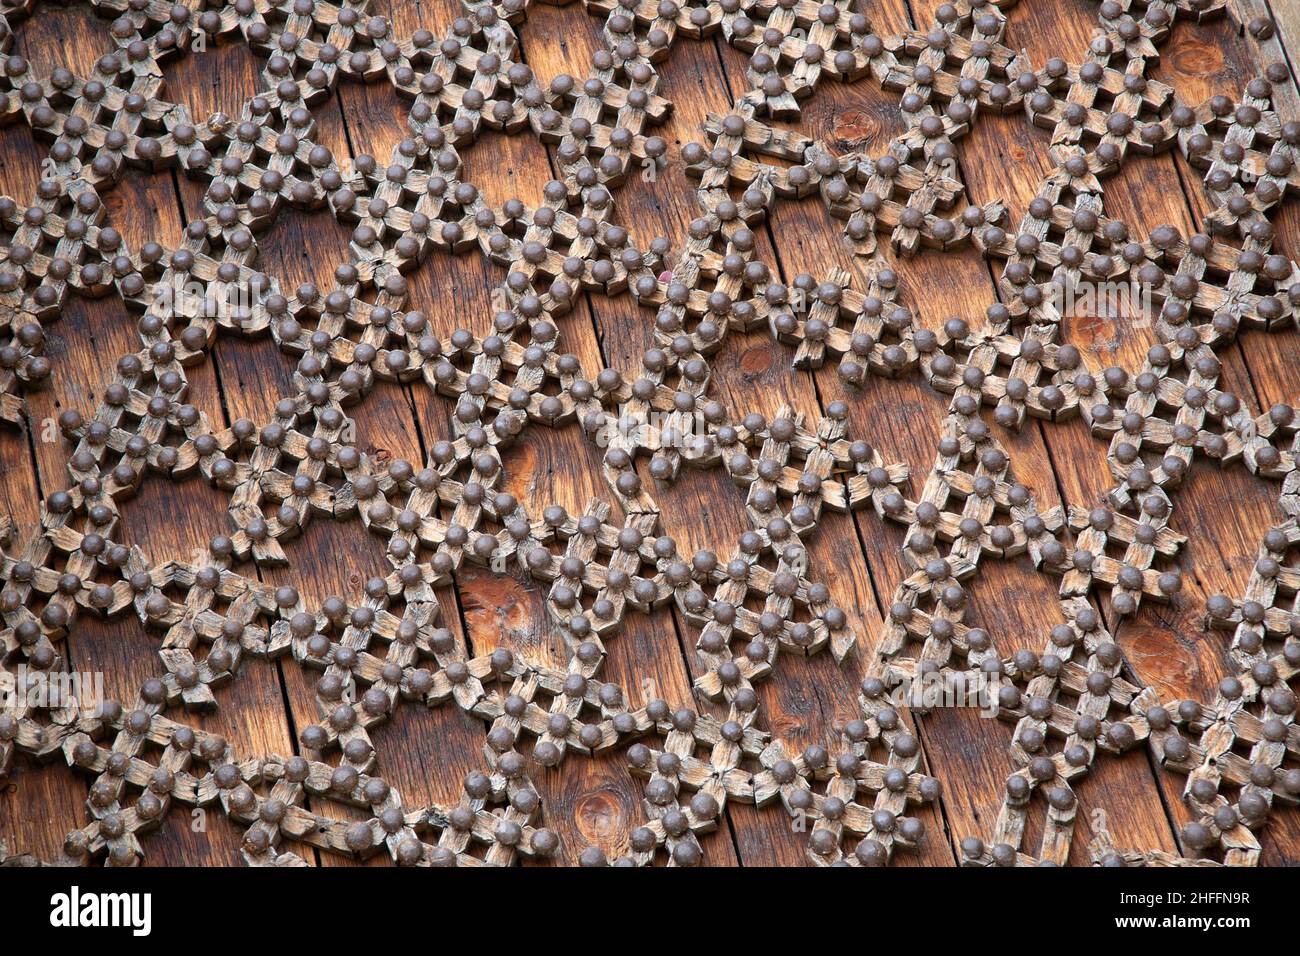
column 756, row 600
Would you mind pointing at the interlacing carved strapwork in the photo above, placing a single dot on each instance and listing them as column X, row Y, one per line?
column 757, row 601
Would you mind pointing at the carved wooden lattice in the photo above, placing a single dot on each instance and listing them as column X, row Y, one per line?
column 508, row 372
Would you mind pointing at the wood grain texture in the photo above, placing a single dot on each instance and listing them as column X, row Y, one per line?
column 427, row 753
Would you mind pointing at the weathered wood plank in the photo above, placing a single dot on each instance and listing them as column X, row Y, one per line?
column 425, row 754
column 938, row 287
column 1146, row 193
column 1286, row 16
column 1232, row 58
column 645, row 659
column 83, row 347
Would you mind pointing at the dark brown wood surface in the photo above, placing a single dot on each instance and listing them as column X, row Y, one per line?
column 425, row 754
